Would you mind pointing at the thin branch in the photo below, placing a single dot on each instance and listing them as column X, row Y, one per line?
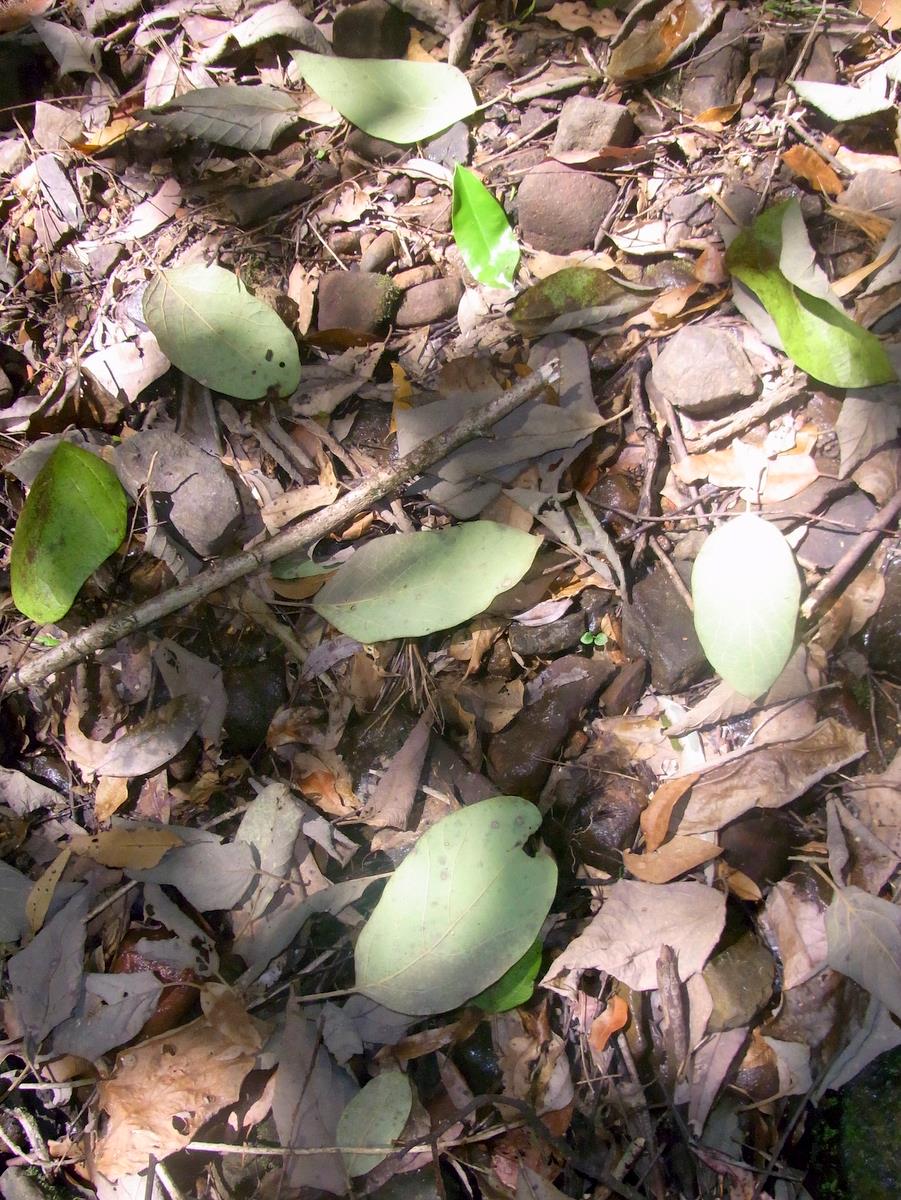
column 318, row 525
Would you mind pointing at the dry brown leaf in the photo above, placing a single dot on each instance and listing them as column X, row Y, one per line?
column 651, row 44
column 886, row 13
column 795, row 920
column 184, row 1077
column 877, row 801
column 804, row 162
column 738, row 883
column 577, row 14
column 109, row 796
column 41, row 894
column 15, row 14
column 715, row 119
column 655, row 819
column 768, row 776
column 635, row 920
column 746, row 466
column 614, row 1018
column 673, row 858
column 135, row 848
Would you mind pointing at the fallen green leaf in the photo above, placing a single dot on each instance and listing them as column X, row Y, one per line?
column 815, row 333
column 745, row 587
column 411, row 584
column 459, row 911
column 395, row 99
column 73, row 519
column 576, row 298
column 212, row 328
column 247, row 118
column 376, row 1116
column 482, row 232
column 515, row 986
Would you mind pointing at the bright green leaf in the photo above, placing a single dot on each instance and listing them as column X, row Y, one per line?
column 459, row 911
column 212, row 328
column 394, row 99
column 815, row 332
column 73, row 519
column 746, row 588
column 482, row 232
column 515, row 986
column 411, row 584
column 376, row 1116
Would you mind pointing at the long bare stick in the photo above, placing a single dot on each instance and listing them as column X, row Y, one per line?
column 378, row 485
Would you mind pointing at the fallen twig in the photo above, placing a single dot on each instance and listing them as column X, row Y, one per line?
column 318, row 525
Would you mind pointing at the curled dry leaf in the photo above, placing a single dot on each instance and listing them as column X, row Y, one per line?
column 680, row 854
column 614, row 1018
column 654, row 34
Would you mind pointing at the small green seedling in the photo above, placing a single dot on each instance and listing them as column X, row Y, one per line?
column 593, row 639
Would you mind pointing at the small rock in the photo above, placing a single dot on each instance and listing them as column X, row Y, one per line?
column 703, row 370
column 626, row 689
column 345, row 241
column 520, row 756
column 591, row 824
column 373, row 149
column 823, row 547
column 715, row 75
column 451, row 147
column 416, row 275
column 255, row 693
column 758, row 844
column 530, row 640
column 820, row 62
column 249, row 206
column 882, row 636
column 197, row 489
column 358, row 300
column 658, row 626
column 740, row 979
column 589, row 124
column 428, row 302
column 560, row 209
column 876, row 192
column 380, row 253
column 371, row 29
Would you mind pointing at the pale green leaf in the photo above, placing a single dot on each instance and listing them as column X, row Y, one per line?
column 746, row 589
column 73, row 519
column 840, row 102
column 394, row 99
column 411, row 584
column 515, row 986
column 459, row 911
column 576, row 298
column 246, row 118
column 376, row 1116
column 212, row 328
column 814, row 331
column 863, row 936
column 482, row 232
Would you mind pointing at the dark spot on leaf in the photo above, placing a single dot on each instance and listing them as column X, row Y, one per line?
column 270, row 355
column 445, row 875
column 282, row 365
column 495, row 824
column 519, row 820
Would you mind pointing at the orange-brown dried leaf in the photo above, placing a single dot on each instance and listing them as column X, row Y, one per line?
column 184, row 1077
column 651, row 45
column 655, row 819
column 680, row 854
column 614, row 1018
column 886, row 13
column 15, row 14
column 804, row 162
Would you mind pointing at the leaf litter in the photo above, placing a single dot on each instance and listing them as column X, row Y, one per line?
column 268, row 914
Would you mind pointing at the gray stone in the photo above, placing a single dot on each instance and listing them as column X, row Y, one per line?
column 196, row 489
column 715, row 73
column 380, row 253
column 560, row 209
column 883, row 634
column 451, row 147
column 358, row 300
column 428, row 302
column 373, row 149
column 520, row 757
column 562, row 634
column 876, row 192
column 658, row 626
column 589, row 124
column 822, row 546
column 820, row 62
column 702, row 370
column 371, row 29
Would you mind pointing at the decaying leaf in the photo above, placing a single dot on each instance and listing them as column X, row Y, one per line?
column 635, row 920
column 126, row 846
column 864, row 938
column 161, row 1092
column 247, row 118
column 655, row 33
column 576, row 298
column 680, row 854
